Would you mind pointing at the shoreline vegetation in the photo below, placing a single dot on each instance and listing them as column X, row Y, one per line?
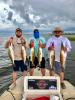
column 70, row 36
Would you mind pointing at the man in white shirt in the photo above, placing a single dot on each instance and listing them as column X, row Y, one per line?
column 57, row 39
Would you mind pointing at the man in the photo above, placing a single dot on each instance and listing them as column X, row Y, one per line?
column 36, row 42
column 57, row 39
column 17, row 42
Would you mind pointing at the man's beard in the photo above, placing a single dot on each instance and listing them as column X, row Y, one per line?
column 18, row 36
column 57, row 35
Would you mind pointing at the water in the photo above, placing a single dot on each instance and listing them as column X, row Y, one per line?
column 5, row 61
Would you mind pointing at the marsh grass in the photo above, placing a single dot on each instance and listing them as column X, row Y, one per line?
column 70, row 37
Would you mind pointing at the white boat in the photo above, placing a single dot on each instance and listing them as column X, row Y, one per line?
column 17, row 92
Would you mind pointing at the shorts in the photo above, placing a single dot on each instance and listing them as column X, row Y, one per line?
column 57, row 67
column 19, row 64
column 42, row 64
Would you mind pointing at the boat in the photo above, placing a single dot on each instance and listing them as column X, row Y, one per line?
column 17, row 93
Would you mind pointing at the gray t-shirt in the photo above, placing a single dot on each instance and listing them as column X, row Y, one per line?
column 17, row 46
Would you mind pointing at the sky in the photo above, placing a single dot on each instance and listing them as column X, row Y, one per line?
column 42, row 14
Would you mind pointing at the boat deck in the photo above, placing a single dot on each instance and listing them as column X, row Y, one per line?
column 17, row 92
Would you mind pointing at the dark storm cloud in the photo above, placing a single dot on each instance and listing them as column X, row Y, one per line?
column 48, row 10
column 52, row 8
column 10, row 14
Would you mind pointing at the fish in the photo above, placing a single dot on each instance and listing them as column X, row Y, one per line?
column 11, row 53
column 23, row 54
column 39, row 55
column 32, row 55
column 62, row 55
column 52, row 57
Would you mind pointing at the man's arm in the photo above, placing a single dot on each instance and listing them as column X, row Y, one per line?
column 67, row 46
column 9, row 41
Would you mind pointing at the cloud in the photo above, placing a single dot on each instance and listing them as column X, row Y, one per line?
column 39, row 13
column 10, row 15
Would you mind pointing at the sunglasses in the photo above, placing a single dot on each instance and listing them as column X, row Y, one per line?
column 57, row 31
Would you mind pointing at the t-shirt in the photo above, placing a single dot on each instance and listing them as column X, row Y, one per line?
column 17, row 47
column 57, row 45
column 36, row 41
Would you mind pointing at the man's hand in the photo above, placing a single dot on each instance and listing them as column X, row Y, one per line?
column 31, row 45
column 41, row 45
column 64, row 49
column 10, row 40
column 51, row 48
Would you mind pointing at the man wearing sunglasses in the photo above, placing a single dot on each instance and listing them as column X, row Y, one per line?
column 54, row 43
column 17, row 41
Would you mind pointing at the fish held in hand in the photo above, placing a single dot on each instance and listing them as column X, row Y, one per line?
column 32, row 55
column 52, row 57
column 23, row 54
column 62, row 55
column 39, row 55
column 11, row 53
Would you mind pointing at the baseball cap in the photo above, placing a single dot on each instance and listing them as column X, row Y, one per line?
column 56, row 29
column 18, row 29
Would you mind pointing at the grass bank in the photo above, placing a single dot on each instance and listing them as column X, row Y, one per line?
column 70, row 37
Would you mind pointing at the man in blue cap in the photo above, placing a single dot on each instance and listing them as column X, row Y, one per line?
column 37, row 41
